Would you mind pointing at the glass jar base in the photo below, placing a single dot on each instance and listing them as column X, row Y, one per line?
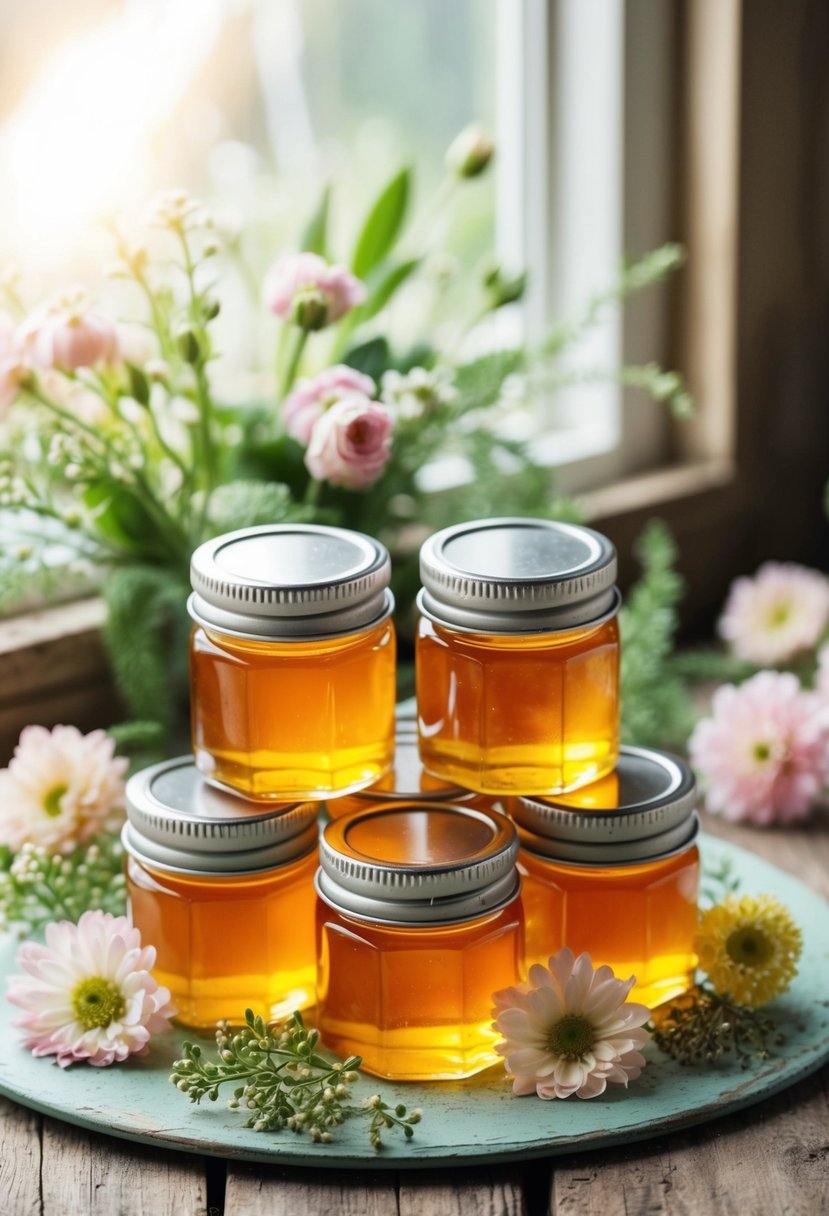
column 503, row 778
column 422, row 1053
column 298, row 784
column 205, row 1002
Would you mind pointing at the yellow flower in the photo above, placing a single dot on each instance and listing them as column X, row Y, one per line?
column 749, row 947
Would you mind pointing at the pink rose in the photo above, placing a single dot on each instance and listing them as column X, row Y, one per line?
column 11, row 364
column 350, row 444
column 68, row 334
column 306, row 289
column 313, row 395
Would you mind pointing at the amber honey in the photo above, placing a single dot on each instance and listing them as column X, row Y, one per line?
column 293, row 719
column 518, row 656
column 418, row 922
column 292, row 661
column 618, row 878
column 224, row 890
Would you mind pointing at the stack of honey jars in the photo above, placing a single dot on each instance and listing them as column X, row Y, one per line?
column 461, row 848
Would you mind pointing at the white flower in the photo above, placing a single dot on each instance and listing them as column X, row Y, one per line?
column 418, row 392
column 60, row 789
column 88, row 993
column 777, row 614
column 570, row 1030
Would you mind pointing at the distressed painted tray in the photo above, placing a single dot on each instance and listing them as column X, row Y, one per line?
column 473, row 1119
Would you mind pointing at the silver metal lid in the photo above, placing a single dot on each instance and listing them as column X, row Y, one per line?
column 644, row 809
column 178, row 821
column 408, row 780
column 286, row 581
column 517, row 576
column 418, row 863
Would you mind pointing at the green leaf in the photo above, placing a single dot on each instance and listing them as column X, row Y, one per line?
column 246, row 504
column 315, row 237
column 372, row 358
column 121, row 518
column 387, row 284
column 382, row 224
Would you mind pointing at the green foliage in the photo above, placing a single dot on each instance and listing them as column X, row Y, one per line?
column 655, row 706
column 315, row 237
column 702, row 1026
column 245, row 504
column 286, row 1082
column 37, row 887
column 384, row 284
column 705, row 664
column 146, row 636
column 382, row 225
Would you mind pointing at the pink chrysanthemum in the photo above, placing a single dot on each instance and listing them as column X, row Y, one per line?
column 763, row 755
column 571, row 1030
column 777, row 614
column 88, row 993
column 313, row 395
column 60, row 789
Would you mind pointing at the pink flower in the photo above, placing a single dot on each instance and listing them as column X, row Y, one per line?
column 351, row 443
column 571, row 1030
column 88, row 993
column 60, row 789
column 309, row 291
column 11, row 363
column 763, row 756
column 777, row 614
column 312, row 397
column 822, row 673
column 67, row 333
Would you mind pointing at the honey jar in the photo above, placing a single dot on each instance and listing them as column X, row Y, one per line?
column 292, row 661
column 616, row 873
column 419, row 921
column 518, row 656
column 224, row 890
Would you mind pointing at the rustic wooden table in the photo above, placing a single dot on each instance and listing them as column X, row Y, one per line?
column 770, row 1160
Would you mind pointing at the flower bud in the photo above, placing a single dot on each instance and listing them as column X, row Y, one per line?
column 188, row 345
column 139, row 384
column 470, row 152
column 211, row 308
column 503, row 289
column 310, row 309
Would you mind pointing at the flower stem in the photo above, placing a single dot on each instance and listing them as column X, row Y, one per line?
column 293, row 363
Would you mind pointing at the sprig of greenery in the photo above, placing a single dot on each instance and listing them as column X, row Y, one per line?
column 702, row 1026
column 37, row 887
column 286, row 1082
column 718, row 881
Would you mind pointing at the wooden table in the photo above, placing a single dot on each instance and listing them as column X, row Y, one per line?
column 772, row 1160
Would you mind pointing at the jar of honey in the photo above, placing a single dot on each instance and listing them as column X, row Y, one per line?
column 292, row 661
column 225, row 892
column 518, row 656
column 418, row 922
column 613, row 869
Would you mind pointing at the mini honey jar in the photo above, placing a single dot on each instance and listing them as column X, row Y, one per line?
column 418, row 921
column 292, row 661
column 616, row 873
column 518, row 656
column 224, row 890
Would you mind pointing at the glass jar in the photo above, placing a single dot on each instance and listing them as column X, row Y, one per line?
column 418, row 922
column 518, row 656
column 224, row 890
column 292, row 661
column 616, row 874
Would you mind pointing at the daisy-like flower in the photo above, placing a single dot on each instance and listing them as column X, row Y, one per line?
column 88, row 993
column 773, row 617
column 60, row 789
column 419, row 391
column 749, row 946
column 571, row 1030
column 763, row 755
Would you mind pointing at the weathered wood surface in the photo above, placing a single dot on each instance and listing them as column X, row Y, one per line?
column 772, row 1160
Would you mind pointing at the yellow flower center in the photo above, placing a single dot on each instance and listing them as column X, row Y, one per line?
column 97, row 1002
column 571, row 1037
column 779, row 615
column 51, row 802
column 762, row 751
column 749, row 946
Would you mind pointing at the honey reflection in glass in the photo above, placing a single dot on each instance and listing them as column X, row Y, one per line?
column 229, row 942
column 293, row 720
column 640, row 919
column 523, row 713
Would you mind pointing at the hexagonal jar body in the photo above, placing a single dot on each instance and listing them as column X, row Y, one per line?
column 292, row 662
column 518, row 656
column 619, row 878
column 411, row 951
column 225, row 894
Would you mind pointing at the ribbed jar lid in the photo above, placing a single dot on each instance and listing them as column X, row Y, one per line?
column 418, row 862
column 290, row 581
column 644, row 809
column 178, row 821
column 517, row 575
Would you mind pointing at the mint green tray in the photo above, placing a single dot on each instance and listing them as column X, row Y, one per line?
column 473, row 1119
